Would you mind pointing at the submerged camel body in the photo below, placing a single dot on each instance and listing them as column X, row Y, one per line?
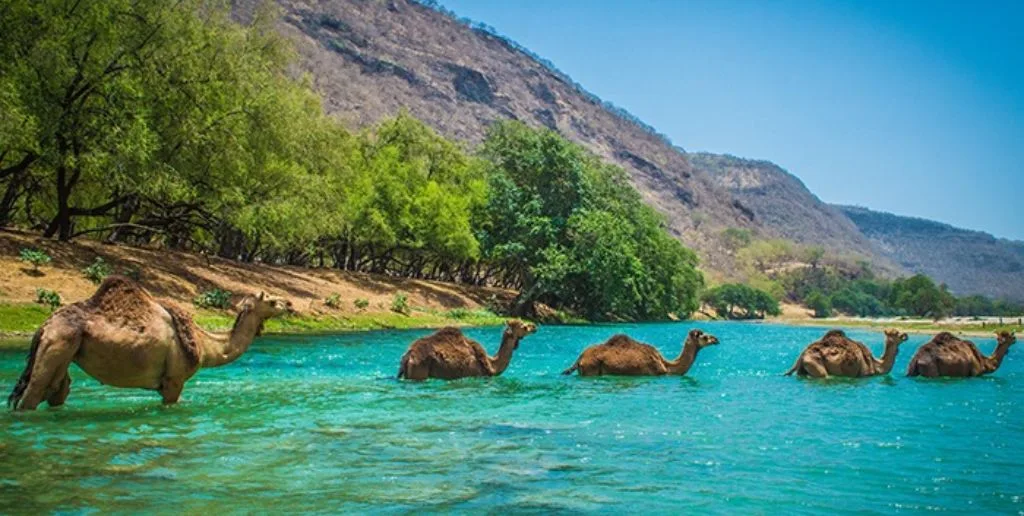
column 122, row 337
column 621, row 355
column 947, row 355
column 448, row 354
column 837, row 355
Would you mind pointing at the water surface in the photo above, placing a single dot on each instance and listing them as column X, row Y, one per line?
column 320, row 424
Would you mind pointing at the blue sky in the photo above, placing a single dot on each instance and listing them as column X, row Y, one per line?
column 911, row 107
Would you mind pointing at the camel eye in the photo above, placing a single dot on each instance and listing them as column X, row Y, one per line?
column 273, row 303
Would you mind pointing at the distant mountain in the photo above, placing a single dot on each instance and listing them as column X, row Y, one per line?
column 970, row 262
column 785, row 207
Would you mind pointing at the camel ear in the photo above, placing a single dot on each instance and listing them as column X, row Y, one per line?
column 262, row 295
column 696, row 333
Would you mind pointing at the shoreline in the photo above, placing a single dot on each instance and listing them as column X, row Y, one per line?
column 919, row 327
column 19, row 321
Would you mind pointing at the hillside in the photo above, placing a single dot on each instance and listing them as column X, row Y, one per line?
column 783, row 205
column 969, row 262
column 178, row 277
column 372, row 59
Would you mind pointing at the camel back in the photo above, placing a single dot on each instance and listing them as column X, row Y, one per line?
column 120, row 299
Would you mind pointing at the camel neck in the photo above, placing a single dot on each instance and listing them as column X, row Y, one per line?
column 998, row 355
column 888, row 358
column 223, row 348
column 684, row 362
column 500, row 361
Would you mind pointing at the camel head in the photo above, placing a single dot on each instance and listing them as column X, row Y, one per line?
column 518, row 329
column 895, row 337
column 1007, row 338
column 266, row 307
column 701, row 339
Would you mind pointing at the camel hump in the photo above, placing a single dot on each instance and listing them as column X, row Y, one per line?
column 618, row 340
column 117, row 293
column 447, row 332
column 184, row 333
column 945, row 337
column 832, row 334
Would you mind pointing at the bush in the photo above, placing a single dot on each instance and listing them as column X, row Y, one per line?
column 97, row 271
column 133, row 272
column 361, row 303
column 400, row 303
column 820, row 303
column 333, row 301
column 459, row 313
column 34, row 257
column 727, row 299
column 49, row 298
column 213, row 298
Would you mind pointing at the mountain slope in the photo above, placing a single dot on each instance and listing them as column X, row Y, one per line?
column 969, row 262
column 371, row 59
column 782, row 204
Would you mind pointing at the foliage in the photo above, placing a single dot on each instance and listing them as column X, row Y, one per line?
column 34, row 257
column 361, row 303
column 97, row 270
column 753, row 303
column 820, row 303
column 170, row 124
column 133, row 272
column 400, row 304
column 735, row 239
column 919, row 295
column 333, row 301
column 213, row 298
column 573, row 233
column 49, row 298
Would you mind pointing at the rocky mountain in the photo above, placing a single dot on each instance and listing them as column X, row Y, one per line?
column 372, row 58
column 782, row 204
column 969, row 262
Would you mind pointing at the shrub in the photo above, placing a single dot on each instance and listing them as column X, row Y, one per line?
column 820, row 303
column 400, row 303
column 361, row 303
column 459, row 313
column 213, row 298
column 333, row 301
column 133, row 272
column 97, row 271
column 49, row 298
column 34, row 257
column 753, row 303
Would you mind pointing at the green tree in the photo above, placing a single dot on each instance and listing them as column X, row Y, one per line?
column 739, row 301
column 820, row 303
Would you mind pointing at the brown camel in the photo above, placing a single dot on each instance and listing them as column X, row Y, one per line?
column 448, row 354
column 947, row 355
column 621, row 355
column 122, row 337
column 837, row 355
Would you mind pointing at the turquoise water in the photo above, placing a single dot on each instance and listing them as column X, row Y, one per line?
column 319, row 424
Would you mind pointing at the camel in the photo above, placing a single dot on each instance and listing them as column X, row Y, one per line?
column 837, row 355
column 448, row 354
column 947, row 355
column 621, row 355
column 123, row 337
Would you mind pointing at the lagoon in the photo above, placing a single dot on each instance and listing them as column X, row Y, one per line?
column 319, row 424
